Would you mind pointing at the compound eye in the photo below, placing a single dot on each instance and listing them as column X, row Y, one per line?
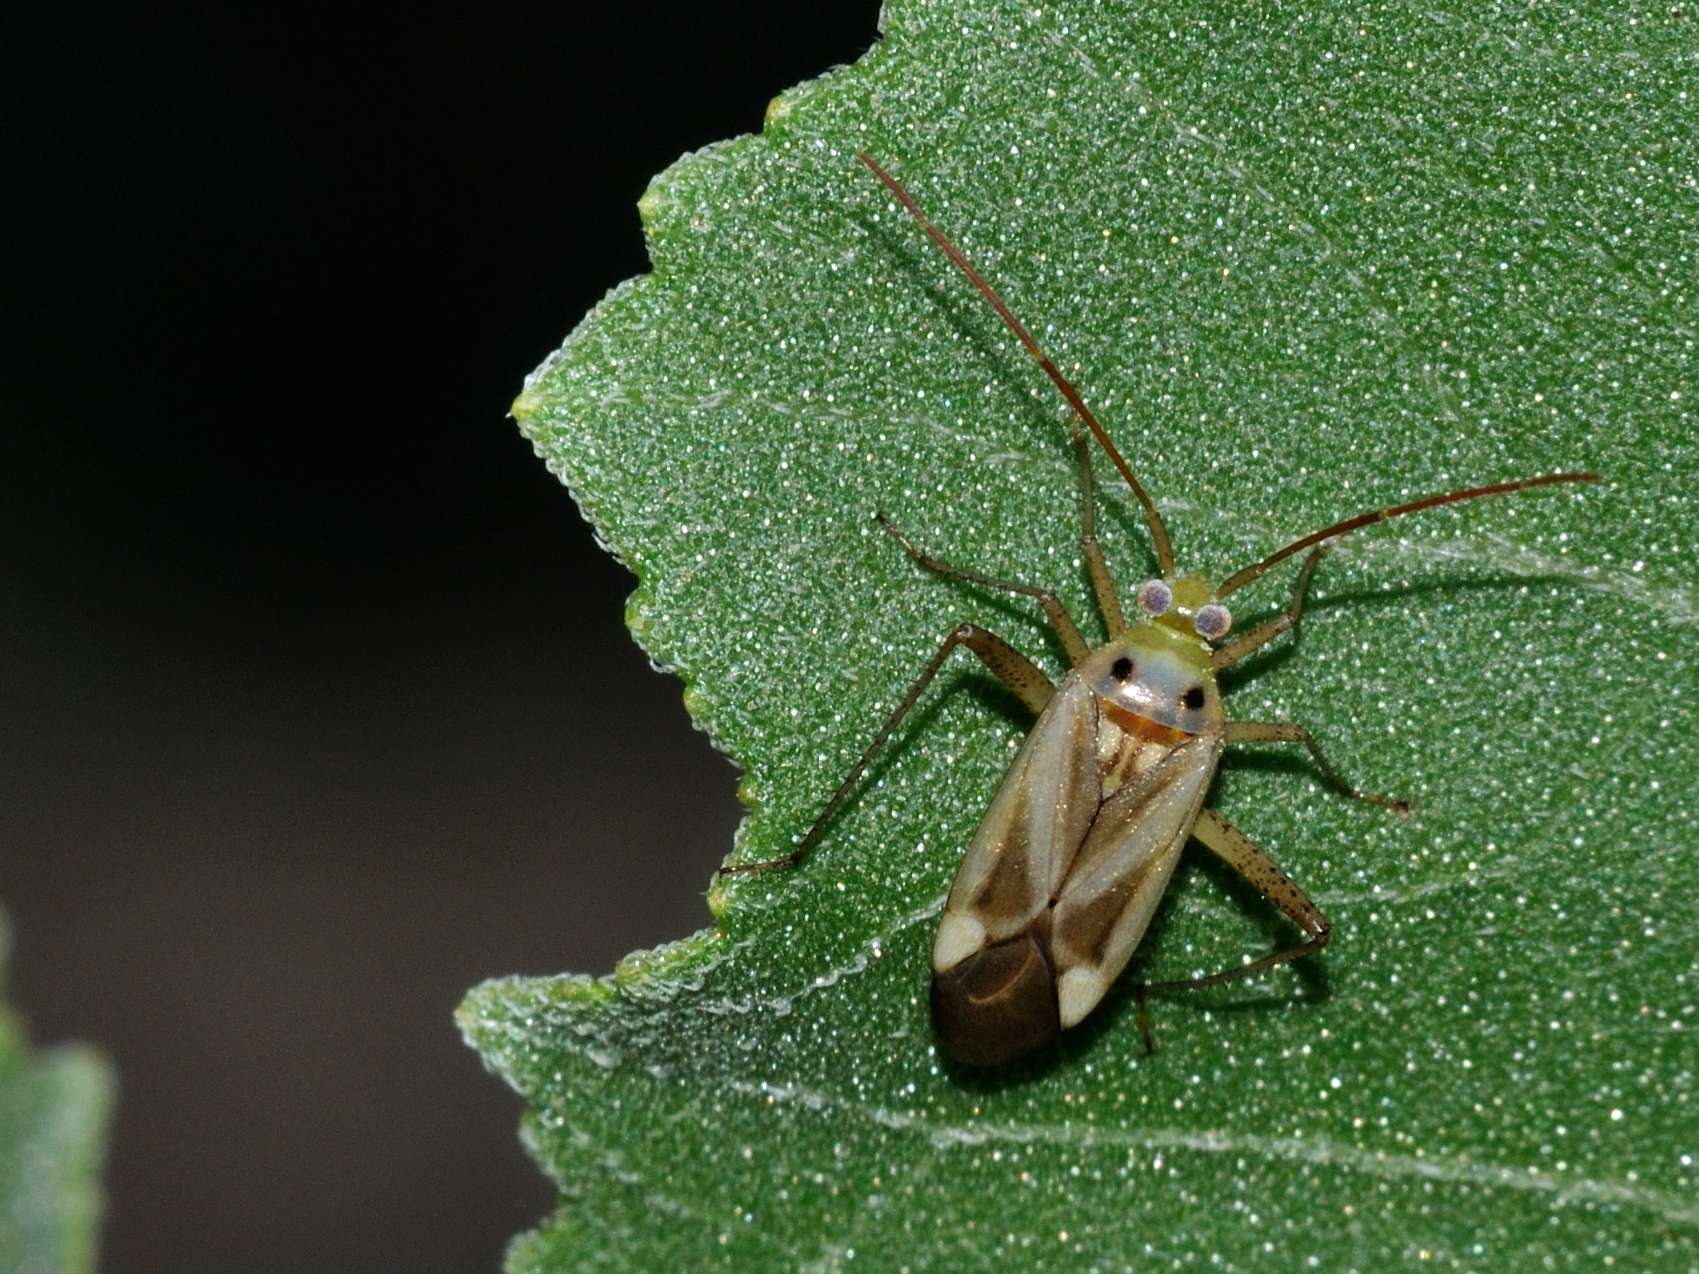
column 1212, row 621
column 1155, row 597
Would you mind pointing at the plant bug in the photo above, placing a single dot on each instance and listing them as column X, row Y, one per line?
column 1080, row 841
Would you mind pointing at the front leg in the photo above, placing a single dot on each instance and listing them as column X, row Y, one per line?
column 1067, row 632
column 1262, row 634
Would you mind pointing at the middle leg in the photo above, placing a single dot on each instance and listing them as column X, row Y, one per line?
column 1292, row 732
column 1012, row 668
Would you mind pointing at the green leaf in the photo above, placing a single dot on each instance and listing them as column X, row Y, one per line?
column 1304, row 262
column 54, row 1108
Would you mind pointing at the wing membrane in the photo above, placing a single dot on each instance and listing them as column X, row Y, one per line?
column 1028, row 838
column 1121, row 871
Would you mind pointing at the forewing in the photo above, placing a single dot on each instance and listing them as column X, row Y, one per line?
column 1121, row 871
column 1031, row 832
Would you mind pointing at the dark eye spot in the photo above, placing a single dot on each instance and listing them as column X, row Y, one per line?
column 1193, row 698
column 1121, row 669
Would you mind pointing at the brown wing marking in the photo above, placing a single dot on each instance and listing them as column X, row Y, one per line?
column 1121, row 871
column 1026, row 842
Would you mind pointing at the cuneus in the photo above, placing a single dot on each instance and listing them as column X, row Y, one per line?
column 1060, row 881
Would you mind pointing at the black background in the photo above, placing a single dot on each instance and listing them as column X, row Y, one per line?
column 316, row 702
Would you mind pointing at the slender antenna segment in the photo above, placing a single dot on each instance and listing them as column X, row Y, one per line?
column 1240, row 578
column 1158, row 532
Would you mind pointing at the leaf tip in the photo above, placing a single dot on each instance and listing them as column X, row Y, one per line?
column 499, row 1009
column 649, row 206
column 671, row 961
column 528, row 407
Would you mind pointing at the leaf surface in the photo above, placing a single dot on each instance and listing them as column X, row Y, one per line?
column 1303, row 262
column 54, row 1108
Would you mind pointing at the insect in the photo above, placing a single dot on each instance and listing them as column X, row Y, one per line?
column 1077, row 847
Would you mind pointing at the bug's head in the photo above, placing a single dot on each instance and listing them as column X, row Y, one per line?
column 1159, row 674
column 1186, row 605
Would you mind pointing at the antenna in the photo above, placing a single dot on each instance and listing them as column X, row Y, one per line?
column 1158, row 532
column 1242, row 577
